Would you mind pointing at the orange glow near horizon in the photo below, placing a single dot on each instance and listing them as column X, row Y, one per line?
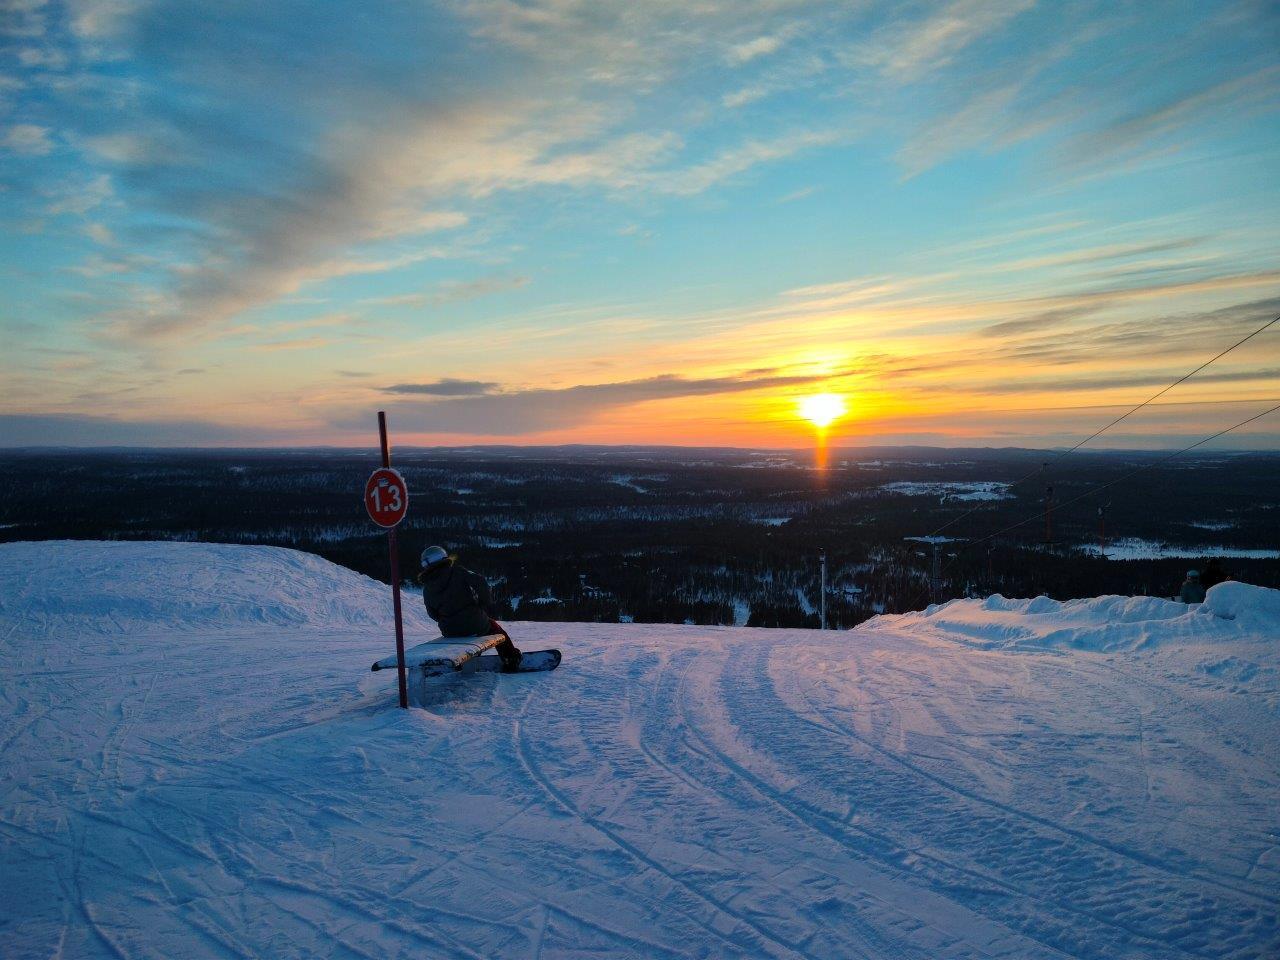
column 822, row 410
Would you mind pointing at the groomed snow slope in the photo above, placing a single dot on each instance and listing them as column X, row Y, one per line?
column 197, row 762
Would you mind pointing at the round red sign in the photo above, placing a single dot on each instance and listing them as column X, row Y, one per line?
column 386, row 497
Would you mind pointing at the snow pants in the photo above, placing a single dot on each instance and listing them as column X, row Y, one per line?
column 506, row 649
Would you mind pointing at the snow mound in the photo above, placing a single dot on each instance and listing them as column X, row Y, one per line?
column 1253, row 608
column 123, row 586
column 1231, row 612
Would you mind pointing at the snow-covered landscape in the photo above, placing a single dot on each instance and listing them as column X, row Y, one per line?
column 983, row 490
column 197, row 762
column 1132, row 548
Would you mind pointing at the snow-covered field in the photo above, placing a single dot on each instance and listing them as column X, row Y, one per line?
column 950, row 489
column 197, row 762
column 1132, row 548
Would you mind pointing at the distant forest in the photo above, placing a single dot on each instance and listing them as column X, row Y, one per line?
column 672, row 535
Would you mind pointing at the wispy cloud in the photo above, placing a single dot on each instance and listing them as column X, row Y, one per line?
column 1123, row 121
column 1139, row 339
column 102, row 20
column 741, row 53
column 978, row 121
column 28, row 139
column 23, row 19
column 738, row 159
column 459, row 290
column 1122, row 381
column 409, row 221
column 1097, row 254
column 745, row 95
column 800, row 194
column 79, row 196
column 81, row 430
column 1255, row 91
column 301, row 343
column 908, row 49
column 130, row 148
column 531, row 411
column 448, row 387
column 1150, row 291
column 1038, row 322
column 454, row 291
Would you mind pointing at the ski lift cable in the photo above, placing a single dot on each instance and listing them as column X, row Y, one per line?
column 1131, row 473
column 1062, row 453
column 1182, row 379
column 1110, row 483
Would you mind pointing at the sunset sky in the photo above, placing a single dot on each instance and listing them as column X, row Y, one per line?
column 648, row 222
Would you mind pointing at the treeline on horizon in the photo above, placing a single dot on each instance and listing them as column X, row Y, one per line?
column 666, row 535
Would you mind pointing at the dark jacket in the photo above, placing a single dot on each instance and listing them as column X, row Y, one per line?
column 456, row 599
column 1192, row 591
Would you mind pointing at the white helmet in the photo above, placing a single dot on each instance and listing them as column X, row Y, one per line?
column 432, row 556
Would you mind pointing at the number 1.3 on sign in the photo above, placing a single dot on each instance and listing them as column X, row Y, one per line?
column 393, row 497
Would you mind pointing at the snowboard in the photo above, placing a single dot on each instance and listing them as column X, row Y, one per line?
column 532, row 661
column 447, row 653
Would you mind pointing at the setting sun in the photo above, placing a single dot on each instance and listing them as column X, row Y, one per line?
column 822, row 409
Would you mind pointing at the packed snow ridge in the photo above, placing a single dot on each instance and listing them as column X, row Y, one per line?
column 197, row 762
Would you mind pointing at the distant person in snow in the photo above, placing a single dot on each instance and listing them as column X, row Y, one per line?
column 1213, row 573
column 1192, row 588
column 457, row 599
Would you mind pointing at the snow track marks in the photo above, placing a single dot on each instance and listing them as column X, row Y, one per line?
column 248, row 789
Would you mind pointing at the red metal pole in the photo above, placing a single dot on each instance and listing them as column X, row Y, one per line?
column 394, row 546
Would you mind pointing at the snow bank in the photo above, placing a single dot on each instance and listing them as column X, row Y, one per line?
column 1252, row 608
column 1231, row 612
column 121, row 586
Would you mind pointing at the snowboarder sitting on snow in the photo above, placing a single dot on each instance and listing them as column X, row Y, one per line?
column 1192, row 590
column 456, row 599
